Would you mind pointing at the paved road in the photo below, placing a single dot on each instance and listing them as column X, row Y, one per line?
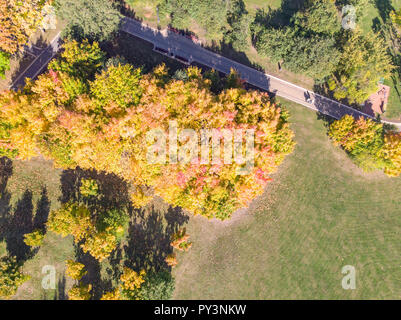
column 38, row 64
column 177, row 45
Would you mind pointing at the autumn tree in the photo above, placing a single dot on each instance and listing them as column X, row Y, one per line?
column 142, row 285
column 19, row 20
column 368, row 144
column 34, row 239
column 180, row 240
column 96, row 232
column 108, row 131
column 11, row 277
column 75, row 270
column 80, row 292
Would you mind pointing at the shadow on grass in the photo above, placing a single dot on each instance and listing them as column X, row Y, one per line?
column 384, row 7
column 15, row 223
column 149, row 237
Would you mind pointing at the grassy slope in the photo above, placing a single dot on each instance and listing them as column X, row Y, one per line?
column 319, row 214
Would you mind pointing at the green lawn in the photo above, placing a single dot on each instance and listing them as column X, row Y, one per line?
column 320, row 214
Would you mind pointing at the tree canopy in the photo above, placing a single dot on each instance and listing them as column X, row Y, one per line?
column 91, row 19
column 19, row 20
column 76, row 123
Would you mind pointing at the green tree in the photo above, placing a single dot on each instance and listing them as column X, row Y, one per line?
column 4, row 63
column 211, row 15
column 321, row 16
column 238, row 19
column 93, row 19
column 363, row 62
column 79, row 59
column 315, row 56
column 158, row 286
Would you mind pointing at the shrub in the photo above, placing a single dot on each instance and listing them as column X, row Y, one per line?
column 11, row 277
column 34, row 239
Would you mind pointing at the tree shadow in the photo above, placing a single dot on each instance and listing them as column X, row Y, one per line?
column 20, row 223
column 24, row 221
column 384, row 7
column 60, row 292
column 25, row 59
column 113, row 189
column 149, row 236
column 93, row 275
column 112, row 193
column 6, row 171
column 16, row 222
column 42, row 212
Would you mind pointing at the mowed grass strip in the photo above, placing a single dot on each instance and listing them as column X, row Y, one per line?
column 319, row 214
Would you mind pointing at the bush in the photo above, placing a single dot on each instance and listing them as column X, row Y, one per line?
column 158, row 286
column 4, row 63
column 34, row 239
column 11, row 277
column 96, row 20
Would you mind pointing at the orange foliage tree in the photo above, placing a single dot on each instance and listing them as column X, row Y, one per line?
column 368, row 144
column 102, row 122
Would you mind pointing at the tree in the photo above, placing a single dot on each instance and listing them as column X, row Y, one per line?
column 363, row 62
column 80, row 292
column 131, row 283
column 368, row 144
column 4, row 63
column 315, row 56
column 117, row 88
column 112, row 295
column 142, row 286
column 211, row 15
column 158, row 286
column 89, row 188
column 83, row 18
column 11, row 277
column 180, row 240
column 97, row 232
column 108, row 132
column 79, row 59
column 19, row 20
column 238, row 19
column 392, row 153
column 320, row 16
column 34, row 239
column 75, row 270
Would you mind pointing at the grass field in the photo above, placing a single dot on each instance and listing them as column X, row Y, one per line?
column 320, row 214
